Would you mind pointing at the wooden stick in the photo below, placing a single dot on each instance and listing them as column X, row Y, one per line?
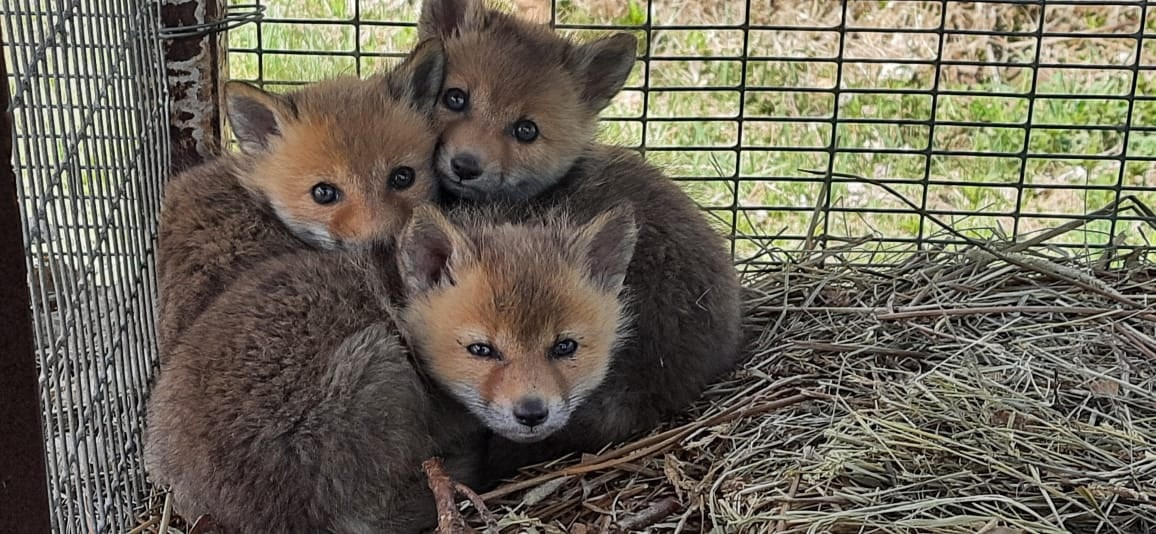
column 651, row 514
column 479, row 505
column 449, row 519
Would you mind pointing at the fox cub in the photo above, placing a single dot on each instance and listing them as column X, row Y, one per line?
column 293, row 404
column 519, row 321
column 334, row 163
column 518, row 113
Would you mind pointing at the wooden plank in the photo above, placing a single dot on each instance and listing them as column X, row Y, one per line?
column 23, row 479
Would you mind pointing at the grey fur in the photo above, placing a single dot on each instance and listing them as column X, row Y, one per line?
column 211, row 228
column 685, row 301
column 291, row 405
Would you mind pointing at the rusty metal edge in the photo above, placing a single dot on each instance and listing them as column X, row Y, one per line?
column 195, row 69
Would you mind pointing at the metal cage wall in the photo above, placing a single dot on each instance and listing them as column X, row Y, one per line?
column 1000, row 118
column 90, row 151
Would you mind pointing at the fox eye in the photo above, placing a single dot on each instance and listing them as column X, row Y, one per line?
column 525, row 131
column 483, row 350
column 564, row 349
column 324, row 193
column 401, row 178
column 455, row 99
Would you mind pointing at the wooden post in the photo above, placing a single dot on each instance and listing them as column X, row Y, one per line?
column 195, row 67
column 23, row 478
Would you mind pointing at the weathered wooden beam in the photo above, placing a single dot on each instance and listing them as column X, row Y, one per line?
column 23, row 478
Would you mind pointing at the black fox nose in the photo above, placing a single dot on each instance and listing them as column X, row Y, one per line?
column 466, row 166
column 531, row 411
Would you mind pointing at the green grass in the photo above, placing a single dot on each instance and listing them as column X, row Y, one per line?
column 779, row 197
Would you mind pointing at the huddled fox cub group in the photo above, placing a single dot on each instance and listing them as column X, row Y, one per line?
column 435, row 261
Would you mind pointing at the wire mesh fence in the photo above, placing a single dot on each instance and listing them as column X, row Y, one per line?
column 90, row 154
column 1000, row 118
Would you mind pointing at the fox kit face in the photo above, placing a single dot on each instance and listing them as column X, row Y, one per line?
column 344, row 160
column 520, row 102
column 518, row 322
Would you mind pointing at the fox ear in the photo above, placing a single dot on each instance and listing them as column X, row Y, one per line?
column 429, row 250
column 603, row 66
column 256, row 116
column 443, row 18
column 419, row 76
column 607, row 245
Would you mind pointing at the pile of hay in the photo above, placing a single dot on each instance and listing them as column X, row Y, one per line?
column 991, row 389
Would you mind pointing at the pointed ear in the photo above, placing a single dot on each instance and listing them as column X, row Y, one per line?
column 419, row 76
column 607, row 244
column 444, row 18
column 256, row 116
column 603, row 66
column 429, row 250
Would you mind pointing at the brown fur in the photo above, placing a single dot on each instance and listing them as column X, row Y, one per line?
column 685, row 294
column 220, row 218
column 492, row 293
column 290, row 405
column 514, row 70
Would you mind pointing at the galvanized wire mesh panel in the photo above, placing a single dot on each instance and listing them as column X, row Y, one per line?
column 998, row 117
column 90, row 153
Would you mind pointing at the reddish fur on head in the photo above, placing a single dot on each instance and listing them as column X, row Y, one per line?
column 520, row 290
column 350, row 134
column 512, row 70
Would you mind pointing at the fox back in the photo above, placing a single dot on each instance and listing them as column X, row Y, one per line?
column 291, row 405
column 330, row 165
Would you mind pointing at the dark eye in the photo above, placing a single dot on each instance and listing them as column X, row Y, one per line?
column 564, row 348
column 401, row 178
column 455, row 99
column 324, row 193
column 525, row 131
column 483, row 350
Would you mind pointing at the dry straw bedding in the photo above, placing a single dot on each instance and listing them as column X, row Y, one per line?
column 993, row 389
column 998, row 388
